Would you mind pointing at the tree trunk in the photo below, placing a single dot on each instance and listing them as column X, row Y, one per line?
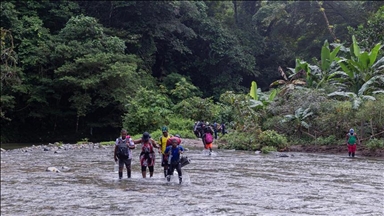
column 235, row 9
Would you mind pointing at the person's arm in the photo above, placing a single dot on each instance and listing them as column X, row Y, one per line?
column 138, row 141
column 346, row 139
column 166, row 152
column 358, row 140
column 154, row 143
column 181, row 150
column 131, row 144
column 115, row 154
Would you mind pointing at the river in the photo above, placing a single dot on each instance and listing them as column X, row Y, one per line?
column 226, row 183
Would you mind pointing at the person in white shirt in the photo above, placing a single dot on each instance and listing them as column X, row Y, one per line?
column 123, row 152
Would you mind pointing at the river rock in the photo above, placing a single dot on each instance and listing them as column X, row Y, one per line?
column 3, row 150
column 65, row 169
column 52, row 169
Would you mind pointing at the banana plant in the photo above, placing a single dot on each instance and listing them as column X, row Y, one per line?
column 316, row 76
column 260, row 99
column 359, row 66
column 295, row 80
column 298, row 119
column 357, row 99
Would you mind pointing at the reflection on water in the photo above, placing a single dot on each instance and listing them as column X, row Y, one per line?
column 225, row 183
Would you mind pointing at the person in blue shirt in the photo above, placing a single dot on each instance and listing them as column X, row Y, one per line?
column 173, row 152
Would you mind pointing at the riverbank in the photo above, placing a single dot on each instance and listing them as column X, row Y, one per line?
column 196, row 143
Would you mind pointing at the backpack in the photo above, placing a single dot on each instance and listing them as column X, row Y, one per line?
column 122, row 150
column 208, row 138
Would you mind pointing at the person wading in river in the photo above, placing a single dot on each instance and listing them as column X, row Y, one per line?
column 173, row 152
column 147, row 155
column 163, row 144
column 207, row 137
column 352, row 140
column 123, row 153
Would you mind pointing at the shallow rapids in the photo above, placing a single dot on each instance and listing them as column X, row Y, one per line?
column 225, row 183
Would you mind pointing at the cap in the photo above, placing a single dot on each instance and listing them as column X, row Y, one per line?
column 164, row 129
column 146, row 136
column 177, row 135
column 351, row 131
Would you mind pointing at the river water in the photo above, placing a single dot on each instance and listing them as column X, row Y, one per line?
column 225, row 183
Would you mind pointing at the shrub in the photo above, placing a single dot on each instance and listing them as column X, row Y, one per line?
column 375, row 144
column 272, row 138
column 326, row 140
column 267, row 149
column 240, row 141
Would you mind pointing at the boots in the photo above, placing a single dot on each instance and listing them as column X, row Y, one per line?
column 120, row 175
column 353, row 154
column 180, row 179
column 129, row 173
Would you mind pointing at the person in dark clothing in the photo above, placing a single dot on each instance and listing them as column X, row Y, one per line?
column 215, row 129
column 223, row 131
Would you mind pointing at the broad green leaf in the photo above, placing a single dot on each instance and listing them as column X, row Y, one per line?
column 273, row 94
column 364, row 60
column 355, row 46
column 373, row 54
column 325, row 56
column 334, row 53
column 253, row 91
column 343, row 65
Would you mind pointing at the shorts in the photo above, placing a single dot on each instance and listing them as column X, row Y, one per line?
column 208, row 146
column 127, row 163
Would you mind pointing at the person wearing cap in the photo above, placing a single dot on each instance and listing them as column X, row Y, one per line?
column 352, row 140
column 163, row 142
column 147, row 155
column 173, row 152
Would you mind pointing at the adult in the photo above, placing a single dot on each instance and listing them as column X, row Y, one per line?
column 123, row 152
column 173, row 152
column 215, row 129
column 163, row 145
column 352, row 140
column 207, row 137
column 223, row 131
column 147, row 155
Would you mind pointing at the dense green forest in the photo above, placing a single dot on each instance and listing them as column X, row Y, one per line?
column 73, row 70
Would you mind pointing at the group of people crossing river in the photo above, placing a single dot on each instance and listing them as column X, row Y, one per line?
column 171, row 150
column 168, row 145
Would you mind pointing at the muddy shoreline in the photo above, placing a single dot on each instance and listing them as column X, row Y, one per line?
column 329, row 149
column 196, row 143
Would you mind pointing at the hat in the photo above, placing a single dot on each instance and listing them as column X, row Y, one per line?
column 351, row 131
column 164, row 129
column 177, row 135
column 146, row 136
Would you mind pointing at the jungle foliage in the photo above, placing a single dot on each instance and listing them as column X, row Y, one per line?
column 74, row 70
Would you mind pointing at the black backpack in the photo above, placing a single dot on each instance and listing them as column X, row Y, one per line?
column 122, row 149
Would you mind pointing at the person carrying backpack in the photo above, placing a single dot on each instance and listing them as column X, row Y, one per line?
column 207, row 137
column 352, row 140
column 163, row 142
column 147, row 155
column 173, row 152
column 123, row 153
